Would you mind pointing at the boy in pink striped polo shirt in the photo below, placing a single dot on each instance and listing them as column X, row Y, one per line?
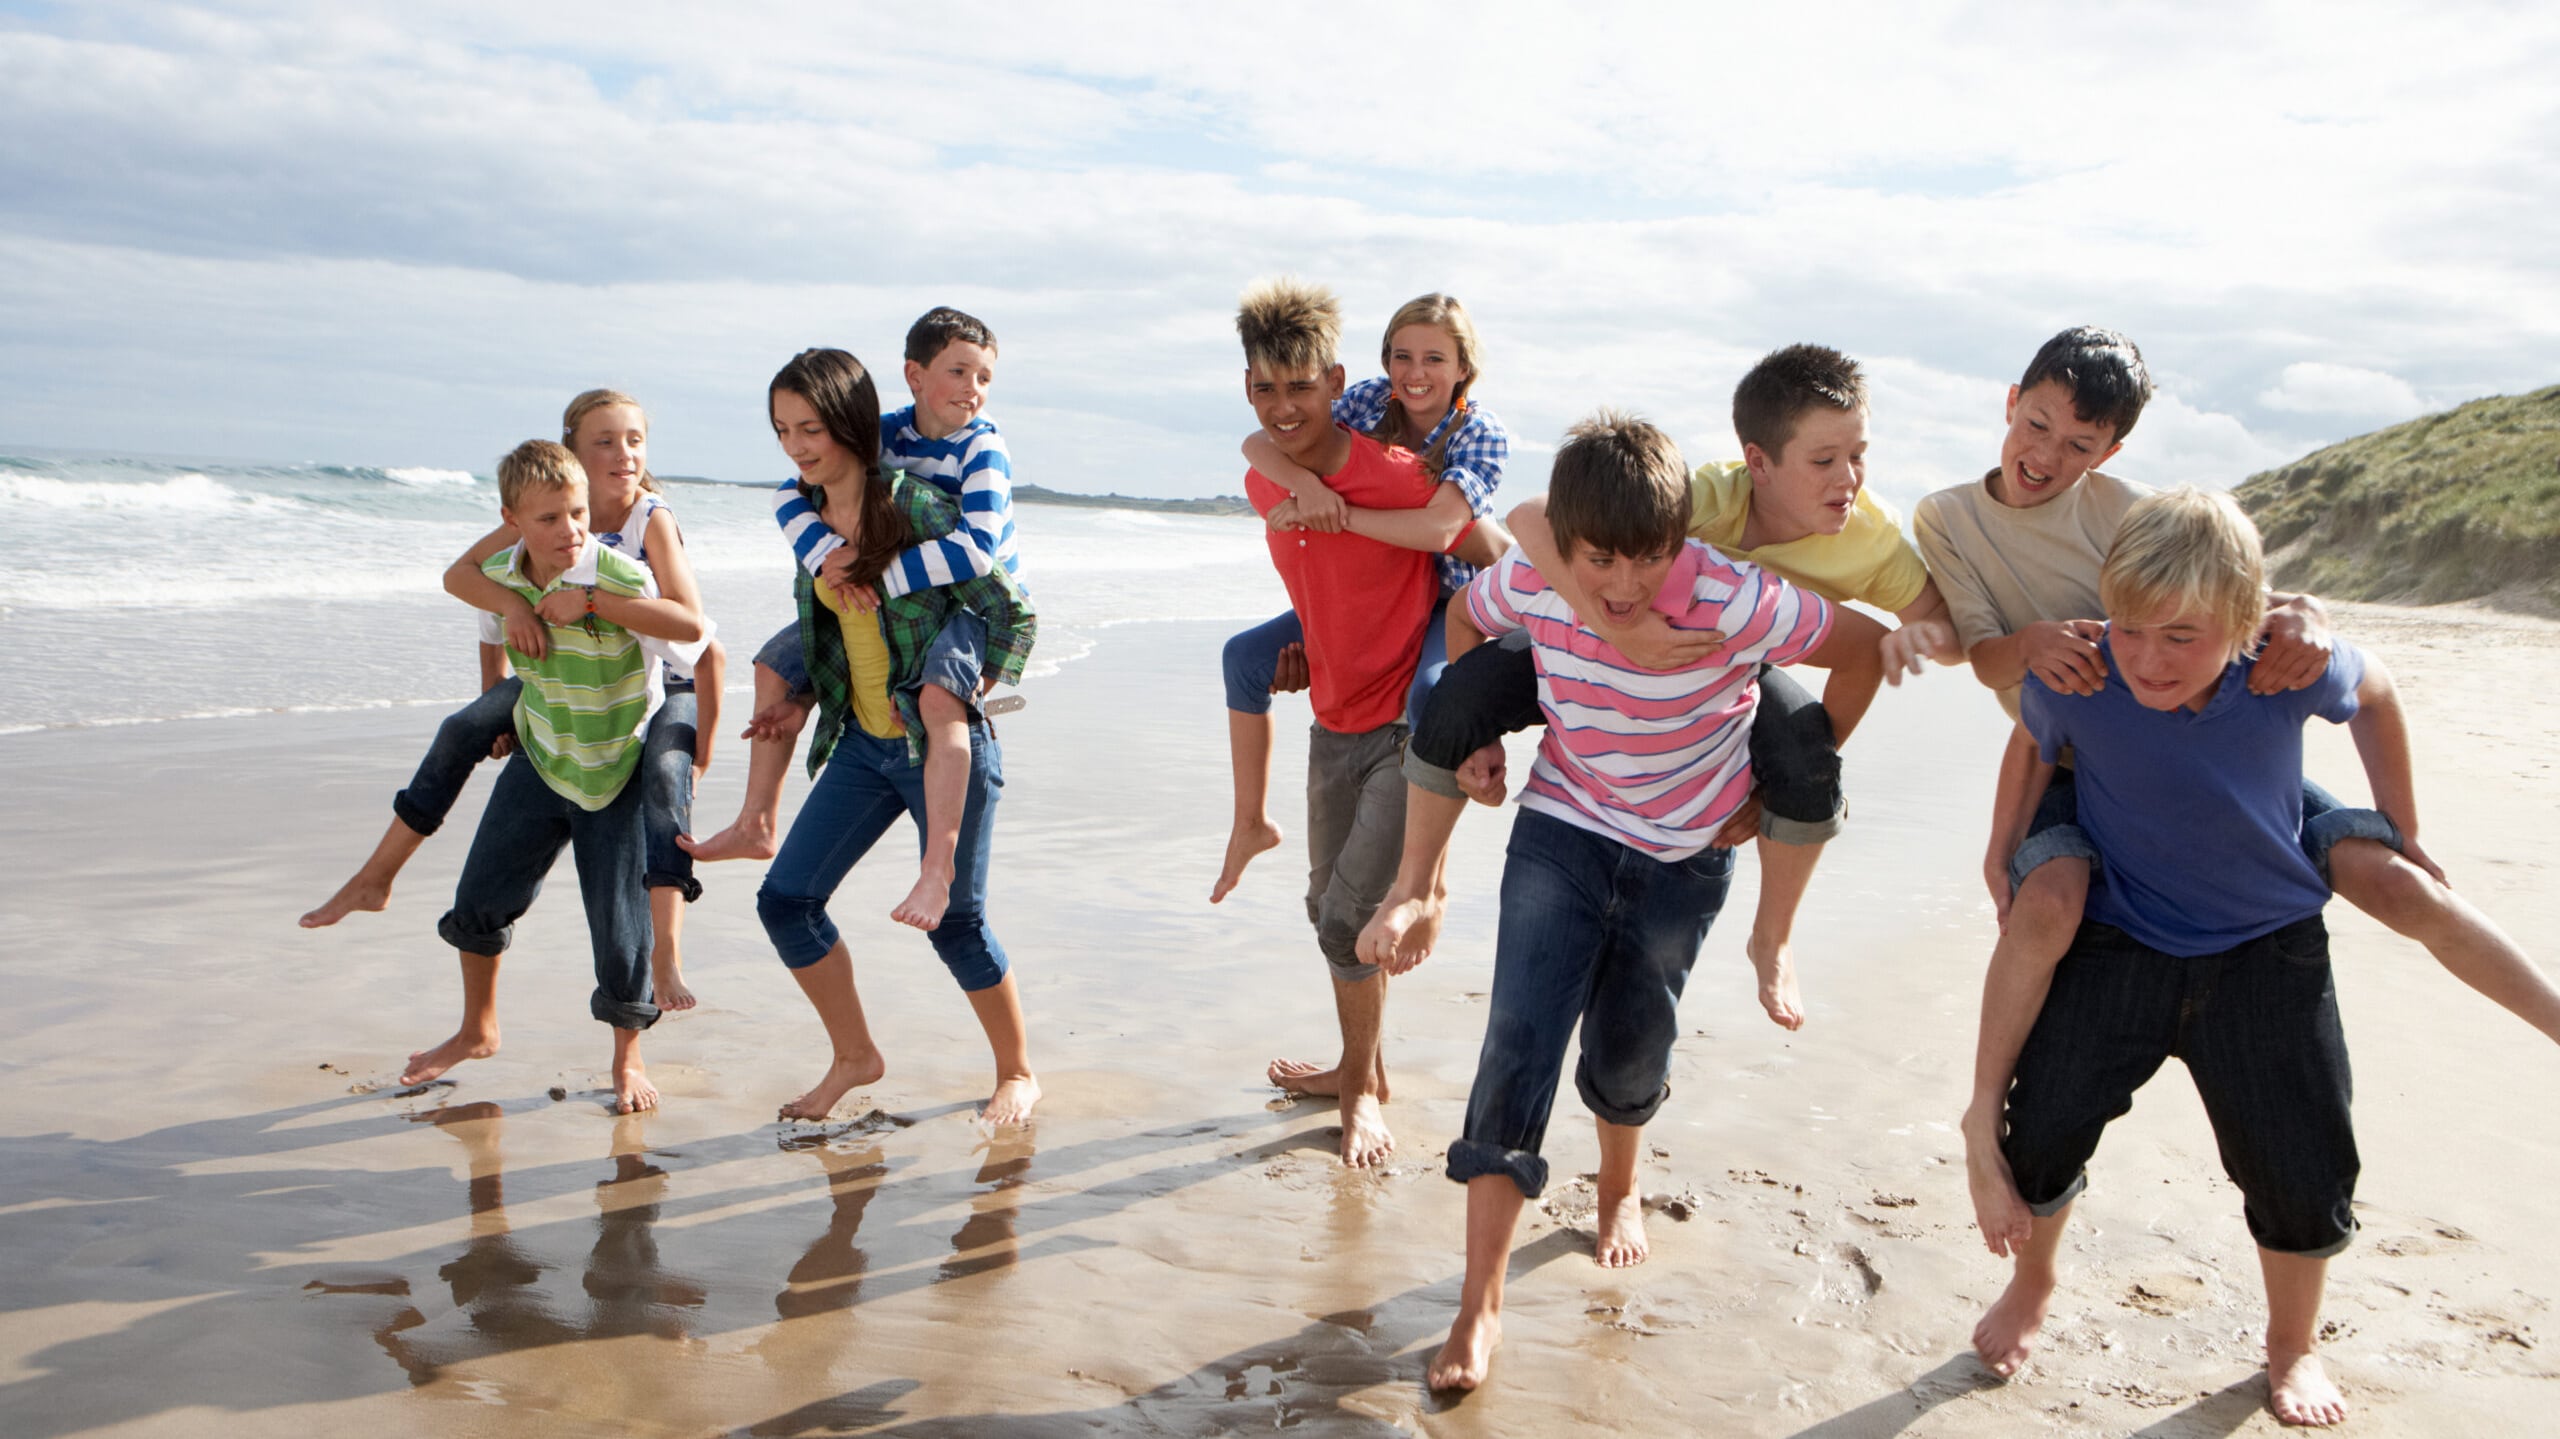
column 1613, row 875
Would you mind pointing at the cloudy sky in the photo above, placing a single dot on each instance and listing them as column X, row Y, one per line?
column 403, row 235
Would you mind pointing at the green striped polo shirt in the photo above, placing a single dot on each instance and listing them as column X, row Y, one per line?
column 586, row 705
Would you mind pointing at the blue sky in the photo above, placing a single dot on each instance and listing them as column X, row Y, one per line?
column 404, row 235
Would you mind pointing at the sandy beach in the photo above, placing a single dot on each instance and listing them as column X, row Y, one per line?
column 217, row 1214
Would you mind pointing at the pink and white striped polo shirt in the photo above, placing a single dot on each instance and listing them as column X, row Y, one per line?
column 1655, row 759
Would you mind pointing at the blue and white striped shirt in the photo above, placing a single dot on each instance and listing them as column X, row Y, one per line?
column 1477, row 452
column 970, row 465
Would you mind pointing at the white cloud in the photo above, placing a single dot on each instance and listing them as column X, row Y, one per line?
column 2315, row 387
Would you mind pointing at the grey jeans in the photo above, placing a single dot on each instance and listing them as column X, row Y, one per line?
column 1355, row 834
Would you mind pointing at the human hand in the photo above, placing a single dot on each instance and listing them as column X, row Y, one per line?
column 1291, row 675
column 525, row 632
column 1321, row 510
column 1485, row 776
column 780, row 720
column 1908, row 649
column 1995, row 877
column 837, row 567
column 1741, row 828
column 564, row 606
column 503, row 746
column 2293, row 650
column 1655, row 643
column 2064, row 654
column 2410, row 851
column 1284, row 516
column 861, row 599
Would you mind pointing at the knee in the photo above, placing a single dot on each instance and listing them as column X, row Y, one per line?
column 965, row 948
column 797, row 925
column 2375, row 879
column 2048, row 904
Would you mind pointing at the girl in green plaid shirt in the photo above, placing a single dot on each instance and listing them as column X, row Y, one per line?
column 870, row 750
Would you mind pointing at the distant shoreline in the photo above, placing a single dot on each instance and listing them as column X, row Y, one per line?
column 1224, row 505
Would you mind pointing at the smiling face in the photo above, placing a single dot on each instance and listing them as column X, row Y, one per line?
column 1424, row 369
column 953, row 389
column 822, row 458
column 1811, row 486
column 612, row 446
column 552, row 524
column 2048, row 447
column 1296, row 411
column 2173, row 660
column 1622, row 587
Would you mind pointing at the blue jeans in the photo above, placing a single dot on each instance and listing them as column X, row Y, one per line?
column 665, row 780
column 522, row 832
column 2055, row 832
column 2256, row 1025
column 1492, row 691
column 956, row 660
column 865, row 786
column 1253, row 656
column 1596, row 932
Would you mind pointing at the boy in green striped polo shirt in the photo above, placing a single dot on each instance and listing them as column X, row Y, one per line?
column 580, row 725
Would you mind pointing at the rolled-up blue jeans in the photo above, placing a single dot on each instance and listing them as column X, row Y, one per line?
column 867, row 784
column 1252, row 657
column 1593, row 932
column 665, row 779
column 522, row 831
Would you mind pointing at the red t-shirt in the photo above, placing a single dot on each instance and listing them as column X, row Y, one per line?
column 1362, row 603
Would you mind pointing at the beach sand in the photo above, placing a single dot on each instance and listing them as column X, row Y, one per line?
column 218, row 1215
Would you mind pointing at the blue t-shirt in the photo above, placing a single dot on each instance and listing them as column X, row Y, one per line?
column 2196, row 815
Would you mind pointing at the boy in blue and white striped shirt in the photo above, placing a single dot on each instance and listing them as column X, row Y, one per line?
column 943, row 439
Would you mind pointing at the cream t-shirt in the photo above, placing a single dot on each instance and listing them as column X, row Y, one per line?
column 2002, row 569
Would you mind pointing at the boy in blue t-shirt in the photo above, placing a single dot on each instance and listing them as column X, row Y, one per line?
column 2202, row 936
column 944, row 439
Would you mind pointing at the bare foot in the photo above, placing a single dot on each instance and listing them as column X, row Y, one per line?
column 1298, row 1076
column 1365, row 1140
column 1622, row 1243
column 925, row 903
column 1998, row 1211
column 1400, row 935
column 363, row 892
column 1011, row 1103
column 2007, row 1334
column 632, row 1091
column 749, row 838
column 1246, row 840
column 666, row 981
column 843, row 1076
column 465, row 1044
column 2299, row 1391
column 1777, row 970
column 1464, row 1361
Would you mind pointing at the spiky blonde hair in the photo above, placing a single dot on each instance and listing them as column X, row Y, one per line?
column 1288, row 326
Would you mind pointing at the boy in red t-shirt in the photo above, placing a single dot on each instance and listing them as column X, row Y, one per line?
column 1364, row 595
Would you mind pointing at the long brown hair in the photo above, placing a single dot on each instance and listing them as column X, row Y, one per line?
column 837, row 386
column 1395, row 427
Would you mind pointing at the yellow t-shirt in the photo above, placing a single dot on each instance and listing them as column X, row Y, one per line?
column 1869, row 561
column 866, row 654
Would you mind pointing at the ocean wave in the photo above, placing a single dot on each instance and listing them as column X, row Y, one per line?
column 205, row 589
column 190, row 491
column 407, row 475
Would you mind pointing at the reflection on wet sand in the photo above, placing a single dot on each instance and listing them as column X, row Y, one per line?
column 829, row 1275
column 985, row 1241
column 498, row 1286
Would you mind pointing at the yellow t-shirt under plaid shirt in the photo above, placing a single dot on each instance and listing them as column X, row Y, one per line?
column 866, row 656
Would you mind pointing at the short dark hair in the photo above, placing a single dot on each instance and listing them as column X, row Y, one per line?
column 2102, row 369
column 931, row 334
column 1619, row 486
column 1772, row 398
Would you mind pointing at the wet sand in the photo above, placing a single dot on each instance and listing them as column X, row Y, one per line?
column 218, row 1216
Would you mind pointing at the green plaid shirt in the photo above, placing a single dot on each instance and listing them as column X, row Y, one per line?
column 909, row 622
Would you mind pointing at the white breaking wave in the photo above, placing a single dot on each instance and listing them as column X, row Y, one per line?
column 190, row 491
column 419, row 476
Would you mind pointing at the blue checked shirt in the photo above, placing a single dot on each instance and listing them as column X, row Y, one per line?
column 970, row 465
column 1477, row 451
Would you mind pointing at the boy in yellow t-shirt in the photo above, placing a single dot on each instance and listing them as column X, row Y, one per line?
column 1797, row 505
